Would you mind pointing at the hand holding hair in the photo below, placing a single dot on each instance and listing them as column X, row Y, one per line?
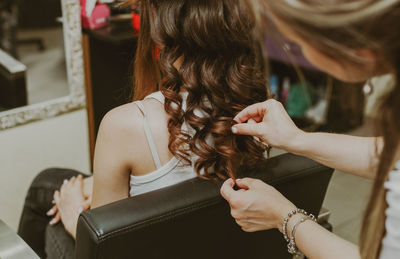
column 256, row 206
column 269, row 122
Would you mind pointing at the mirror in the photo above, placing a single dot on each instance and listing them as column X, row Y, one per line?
column 50, row 58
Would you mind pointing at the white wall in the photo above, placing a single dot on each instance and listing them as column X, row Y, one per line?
column 28, row 149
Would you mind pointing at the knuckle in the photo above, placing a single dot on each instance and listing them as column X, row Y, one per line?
column 235, row 214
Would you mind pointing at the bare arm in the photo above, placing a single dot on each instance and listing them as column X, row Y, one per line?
column 351, row 154
column 270, row 122
column 259, row 206
column 114, row 155
column 119, row 142
column 330, row 246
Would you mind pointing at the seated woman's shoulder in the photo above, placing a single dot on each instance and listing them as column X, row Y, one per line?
column 124, row 120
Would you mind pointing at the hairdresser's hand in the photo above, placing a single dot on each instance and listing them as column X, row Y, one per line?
column 270, row 122
column 257, row 206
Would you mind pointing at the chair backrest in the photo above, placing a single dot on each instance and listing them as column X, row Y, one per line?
column 191, row 220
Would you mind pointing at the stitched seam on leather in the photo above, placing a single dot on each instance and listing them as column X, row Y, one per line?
column 87, row 223
column 162, row 218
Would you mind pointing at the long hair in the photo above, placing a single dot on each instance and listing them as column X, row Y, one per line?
column 337, row 28
column 221, row 72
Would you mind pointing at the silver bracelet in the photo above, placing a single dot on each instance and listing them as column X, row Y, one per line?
column 292, row 247
column 287, row 218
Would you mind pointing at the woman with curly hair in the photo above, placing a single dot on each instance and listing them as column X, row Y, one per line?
column 209, row 68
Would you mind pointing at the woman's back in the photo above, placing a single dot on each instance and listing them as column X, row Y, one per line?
column 166, row 169
column 206, row 52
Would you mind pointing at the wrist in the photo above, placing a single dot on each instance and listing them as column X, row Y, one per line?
column 297, row 143
column 292, row 221
column 71, row 229
column 283, row 214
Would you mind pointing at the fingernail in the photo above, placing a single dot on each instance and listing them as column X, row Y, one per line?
column 52, row 222
column 234, row 130
column 50, row 212
column 80, row 210
column 65, row 181
column 238, row 180
column 53, row 202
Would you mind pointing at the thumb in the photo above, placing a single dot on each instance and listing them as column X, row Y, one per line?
column 252, row 129
column 227, row 189
column 79, row 181
column 245, row 183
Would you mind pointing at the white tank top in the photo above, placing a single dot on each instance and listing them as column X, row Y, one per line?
column 172, row 172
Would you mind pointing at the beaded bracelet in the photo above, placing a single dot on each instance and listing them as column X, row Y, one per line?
column 291, row 241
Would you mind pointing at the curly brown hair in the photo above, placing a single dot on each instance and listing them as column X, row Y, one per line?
column 221, row 71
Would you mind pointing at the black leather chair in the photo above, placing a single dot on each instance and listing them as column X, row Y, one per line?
column 191, row 220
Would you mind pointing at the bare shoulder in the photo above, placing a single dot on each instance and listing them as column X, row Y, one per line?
column 121, row 136
column 125, row 120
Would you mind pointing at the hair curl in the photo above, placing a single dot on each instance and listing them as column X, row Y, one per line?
column 221, row 70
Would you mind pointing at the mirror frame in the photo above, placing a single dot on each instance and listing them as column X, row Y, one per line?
column 76, row 99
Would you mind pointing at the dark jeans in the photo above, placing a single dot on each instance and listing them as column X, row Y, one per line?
column 47, row 241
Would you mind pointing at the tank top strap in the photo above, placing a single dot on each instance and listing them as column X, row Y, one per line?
column 149, row 136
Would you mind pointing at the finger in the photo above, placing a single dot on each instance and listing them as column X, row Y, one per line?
column 252, row 121
column 72, row 180
column 249, row 229
column 56, row 219
column 245, row 183
column 56, row 197
column 79, row 182
column 240, row 222
column 87, row 186
column 52, row 211
column 63, row 186
column 227, row 189
column 255, row 112
column 251, row 129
